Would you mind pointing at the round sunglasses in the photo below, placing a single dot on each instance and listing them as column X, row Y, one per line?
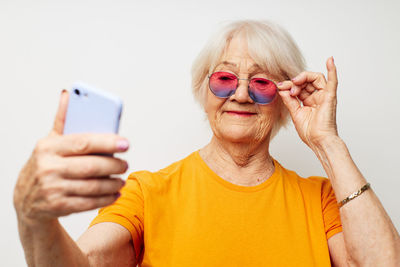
column 224, row 84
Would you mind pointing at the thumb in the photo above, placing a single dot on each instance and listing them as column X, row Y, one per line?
column 332, row 75
column 290, row 102
column 59, row 120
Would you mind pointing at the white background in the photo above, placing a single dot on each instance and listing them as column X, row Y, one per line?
column 143, row 50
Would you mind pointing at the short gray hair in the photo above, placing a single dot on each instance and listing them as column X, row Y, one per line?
column 269, row 45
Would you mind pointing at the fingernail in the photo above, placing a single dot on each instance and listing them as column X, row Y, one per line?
column 333, row 61
column 292, row 91
column 117, row 195
column 63, row 91
column 122, row 145
column 280, row 83
column 127, row 165
column 294, row 79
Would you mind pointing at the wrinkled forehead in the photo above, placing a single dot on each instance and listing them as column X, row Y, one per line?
column 237, row 56
column 239, row 65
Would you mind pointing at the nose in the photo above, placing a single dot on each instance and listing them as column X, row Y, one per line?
column 241, row 94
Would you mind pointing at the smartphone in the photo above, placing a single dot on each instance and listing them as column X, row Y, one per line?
column 91, row 110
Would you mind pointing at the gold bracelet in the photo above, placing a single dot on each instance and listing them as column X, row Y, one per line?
column 354, row 195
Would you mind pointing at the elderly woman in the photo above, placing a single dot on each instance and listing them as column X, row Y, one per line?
column 229, row 203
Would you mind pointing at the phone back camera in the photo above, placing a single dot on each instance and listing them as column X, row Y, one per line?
column 77, row 92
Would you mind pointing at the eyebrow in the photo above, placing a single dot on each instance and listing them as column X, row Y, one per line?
column 255, row 66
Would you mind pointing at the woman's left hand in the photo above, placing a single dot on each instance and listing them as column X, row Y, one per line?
column 311, row 101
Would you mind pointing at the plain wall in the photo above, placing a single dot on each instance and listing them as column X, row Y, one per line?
column 143, row 50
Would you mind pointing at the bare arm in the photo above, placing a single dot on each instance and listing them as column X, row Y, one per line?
column 337, row 251
column 104, row 244
column 108, row 244
column 369, row 237
column 64, row 175
column 50, row 245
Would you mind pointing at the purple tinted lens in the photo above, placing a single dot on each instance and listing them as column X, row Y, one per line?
column 223, row 84
column 262, row 91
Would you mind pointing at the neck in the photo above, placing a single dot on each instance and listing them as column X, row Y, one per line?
column 239, row 163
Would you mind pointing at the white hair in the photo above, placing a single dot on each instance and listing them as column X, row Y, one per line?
column 269, row 45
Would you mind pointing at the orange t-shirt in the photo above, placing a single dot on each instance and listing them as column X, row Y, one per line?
column 186, row 215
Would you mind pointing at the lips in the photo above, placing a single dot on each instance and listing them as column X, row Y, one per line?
column 240, row 113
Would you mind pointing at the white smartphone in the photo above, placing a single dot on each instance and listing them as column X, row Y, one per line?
column 91, row 110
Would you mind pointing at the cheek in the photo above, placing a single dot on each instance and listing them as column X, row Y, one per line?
column 212, row 104
column 213, row 109
column 266, row 122
column 270, row 113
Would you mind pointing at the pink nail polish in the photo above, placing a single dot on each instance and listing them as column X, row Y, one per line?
column 122, row 145
column 292, row 91
column 280, row 83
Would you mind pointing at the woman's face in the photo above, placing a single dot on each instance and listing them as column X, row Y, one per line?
column 238, row 118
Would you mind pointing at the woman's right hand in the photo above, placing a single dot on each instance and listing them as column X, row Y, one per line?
column 68, row 173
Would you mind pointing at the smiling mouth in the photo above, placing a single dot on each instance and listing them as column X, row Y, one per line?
column 240, row 113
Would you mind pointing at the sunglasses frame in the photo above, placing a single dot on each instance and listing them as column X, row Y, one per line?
column 248, row 87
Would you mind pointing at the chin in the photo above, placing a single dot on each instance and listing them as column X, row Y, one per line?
column 238, row 134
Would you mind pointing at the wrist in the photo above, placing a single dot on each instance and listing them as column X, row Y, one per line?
column 327, row 143
column 35, row 224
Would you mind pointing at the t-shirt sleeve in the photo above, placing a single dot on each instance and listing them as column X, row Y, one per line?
column 330, row 210
column 127, row 211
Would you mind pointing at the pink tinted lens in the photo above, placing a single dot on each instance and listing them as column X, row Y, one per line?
column 262, row 91
column 223, row 84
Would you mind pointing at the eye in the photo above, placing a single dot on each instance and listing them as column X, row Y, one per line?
column 261, row 81
column 226, row 78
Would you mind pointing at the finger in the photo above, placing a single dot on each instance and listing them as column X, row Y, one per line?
column 73, row 204
column 309, row 102
column 310, row 88
column 332, row 75
column 80, row 167
column 88, row 143
column 289, row 85
column 285, row 85
column 296, row 89
column 315, row 78
column 93, row 187
column 59, row 120
column 304, row 95
column 290, row 102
